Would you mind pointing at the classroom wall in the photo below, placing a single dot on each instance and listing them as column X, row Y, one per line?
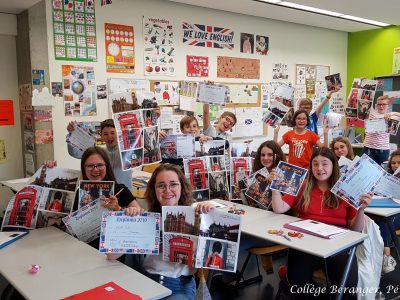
column 370, row 53
column 289, row 43
column 12, row 168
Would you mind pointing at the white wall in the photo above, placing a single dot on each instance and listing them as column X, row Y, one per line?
column 289, row 43
column 12, row 167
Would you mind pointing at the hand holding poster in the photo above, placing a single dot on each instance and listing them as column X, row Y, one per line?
column 289, row 178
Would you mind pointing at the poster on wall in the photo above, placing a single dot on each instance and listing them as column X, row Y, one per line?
column 79, row 91
column 3, row 154
column 43, row 115
column 236, row 67
column 243, row 93
column 38, row 77
column 167, row 93
column 247, row 43
column 56, row 89
column 27, row 120
column 120, row 51
column 196, row 66
column 280, row 71
column 396, row 61
column 74, row 28
column 25, row 96
column 44, row 136
column 6, row 112
column 207, row 36
column 262, row 44
column 159, row 49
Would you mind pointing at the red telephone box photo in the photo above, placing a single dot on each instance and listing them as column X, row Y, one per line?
column 181, row 250
column 197, row 172
column 131, row 131
column 23, row 208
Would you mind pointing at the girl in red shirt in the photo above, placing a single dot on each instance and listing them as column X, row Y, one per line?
column 316, row 202
column 300, row 140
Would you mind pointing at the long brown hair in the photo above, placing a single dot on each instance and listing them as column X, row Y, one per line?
column 276, row 150
column 389, row 167
column 100, row 151
column 332, row 201
column 340, row 139
column 150, row 196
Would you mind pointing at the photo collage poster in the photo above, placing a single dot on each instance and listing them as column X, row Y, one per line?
column 79, row 91
column 201, row 240
column 159, row 51
column 207, row 172
column 138, row 138
column 45, row 201
column 175, row 146
column 74, row 27
column 129, row 94
column 258, row 193
column 360, row 100
column 289, row 178
column 94, row 190
column 240, row 172
column 167, row 92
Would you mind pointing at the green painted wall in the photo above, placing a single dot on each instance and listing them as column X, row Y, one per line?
column 370, row 53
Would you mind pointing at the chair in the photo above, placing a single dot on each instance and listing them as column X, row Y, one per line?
column 266, row 260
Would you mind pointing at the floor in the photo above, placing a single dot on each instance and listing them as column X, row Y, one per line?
column 268, row 287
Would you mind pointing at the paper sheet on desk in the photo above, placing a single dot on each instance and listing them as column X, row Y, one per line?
column 319, row 229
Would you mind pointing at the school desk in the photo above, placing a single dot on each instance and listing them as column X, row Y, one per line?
column 257, row 222
column 67, row 267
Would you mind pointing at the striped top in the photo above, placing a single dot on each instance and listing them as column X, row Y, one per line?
column 376, row 140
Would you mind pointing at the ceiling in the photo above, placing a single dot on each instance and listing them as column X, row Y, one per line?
column 386, row 11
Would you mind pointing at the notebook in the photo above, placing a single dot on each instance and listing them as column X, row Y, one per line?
column 8, row 237
column 108, row 291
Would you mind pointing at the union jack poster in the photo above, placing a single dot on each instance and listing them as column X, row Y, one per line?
column 207, row 36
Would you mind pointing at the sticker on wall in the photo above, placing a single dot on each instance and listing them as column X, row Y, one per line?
column 207, row 36
column 43, row 115
column 3, row 154
column 6, row 112
column 106, row 2
column 29, row 164
column 56, row 89
column 262, row 44
column 196, row 66
column 247, row 43
column 74, row 28
column 79, row 91
column 120, row 53
column 25, row 96
column 235, row 67
column 38, row 77
column 280, row 71
column 396, row 61
column 27, row 121
column 159, row 50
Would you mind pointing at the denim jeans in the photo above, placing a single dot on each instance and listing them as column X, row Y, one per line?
column 183, row 288
column 379, row 156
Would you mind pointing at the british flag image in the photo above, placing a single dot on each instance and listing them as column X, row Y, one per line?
column 207, row 36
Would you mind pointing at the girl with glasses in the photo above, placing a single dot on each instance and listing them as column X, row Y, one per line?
column 168, row 186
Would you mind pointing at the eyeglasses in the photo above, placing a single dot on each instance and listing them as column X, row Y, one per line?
column 382, row 104
column 173, row 186
column 91, row 167
column 229, row 121
column 305, row 107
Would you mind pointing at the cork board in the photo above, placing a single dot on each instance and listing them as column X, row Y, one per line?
column 236, row 67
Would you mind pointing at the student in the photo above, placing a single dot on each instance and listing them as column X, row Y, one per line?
column 306, row 104
column 389, row 263
column 376, row 144
column 168, row 186
column 394, row 162
column 214, row 260
column 300, row 140
column 225, row 123
column 268, row 155
column 108, row 136
column 316, row 202
column 96, row 166
column 342, row 147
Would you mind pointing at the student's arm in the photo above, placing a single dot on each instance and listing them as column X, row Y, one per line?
column 206, row 116
column 278, row 205
column 357, row 223
column 326, row 142
column 276, row 132
column 326, row 100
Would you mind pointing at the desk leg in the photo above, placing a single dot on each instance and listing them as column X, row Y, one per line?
column 389, row 222
column 346, row 271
